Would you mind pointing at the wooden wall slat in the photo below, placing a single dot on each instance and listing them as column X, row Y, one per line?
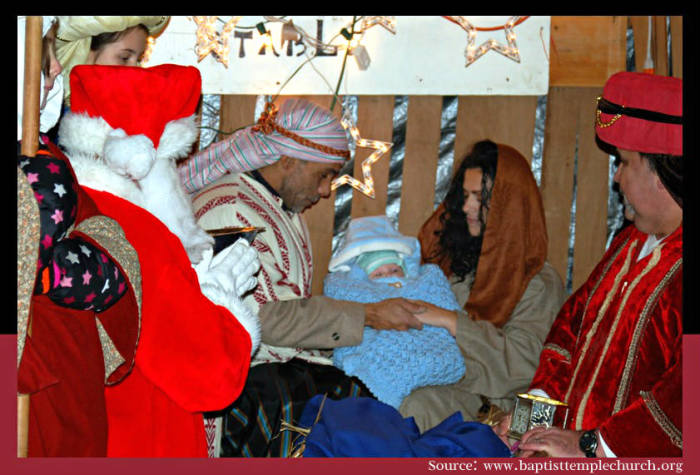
column 592, row 190
column 557, row 181
column 375, row 122
column 677, row 46
column 585, row 50
column 420, row 162
column 660, row 45
column 659, row 52
column 236, row 111
column 508, row 120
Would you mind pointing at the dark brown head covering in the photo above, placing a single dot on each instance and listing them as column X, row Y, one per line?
column 515, row 241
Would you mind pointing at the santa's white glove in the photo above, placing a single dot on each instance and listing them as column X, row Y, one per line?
column 233, row 269
column 129, row 155
column 245, row 316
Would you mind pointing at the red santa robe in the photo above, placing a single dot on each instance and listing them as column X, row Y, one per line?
column 614, row 351
column 193, row 355
column 75, row 350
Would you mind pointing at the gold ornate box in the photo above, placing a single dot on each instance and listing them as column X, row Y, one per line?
column 533, row 411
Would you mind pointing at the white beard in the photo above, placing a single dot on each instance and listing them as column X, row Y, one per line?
column 159, row 191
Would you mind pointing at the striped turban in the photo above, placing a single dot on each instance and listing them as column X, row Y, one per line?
column 300, row 129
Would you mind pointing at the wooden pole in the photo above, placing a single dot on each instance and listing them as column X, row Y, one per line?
column 32, row 86
column 30, row 145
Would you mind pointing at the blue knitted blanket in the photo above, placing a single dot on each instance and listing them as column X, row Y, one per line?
column 393, row 363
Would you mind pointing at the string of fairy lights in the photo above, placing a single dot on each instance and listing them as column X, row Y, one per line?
column 210, row 40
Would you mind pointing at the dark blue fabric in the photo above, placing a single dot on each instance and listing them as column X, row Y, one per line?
column 364, row 427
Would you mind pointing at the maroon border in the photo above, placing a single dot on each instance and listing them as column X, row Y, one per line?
column 77, row 466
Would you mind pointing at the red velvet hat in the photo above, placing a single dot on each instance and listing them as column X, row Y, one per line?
column 138, row 100
column 642, row 112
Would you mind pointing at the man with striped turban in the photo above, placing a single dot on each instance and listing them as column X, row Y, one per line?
column 265, row 175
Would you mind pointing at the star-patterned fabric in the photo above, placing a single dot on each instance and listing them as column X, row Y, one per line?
column 71, row 271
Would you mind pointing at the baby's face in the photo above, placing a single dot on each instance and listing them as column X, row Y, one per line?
column 387, row 270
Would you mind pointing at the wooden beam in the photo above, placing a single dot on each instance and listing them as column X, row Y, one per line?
column 677, row 46
column 32, row 86
column 30, row 145
column 557, row 182
column 660, row 45
column 236, row 111
column 375, row 115
column 592, row 190
column 420, row 162
column 508, row 120
column 585, row 50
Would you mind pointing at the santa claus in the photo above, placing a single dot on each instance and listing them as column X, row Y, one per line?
column 125, row 129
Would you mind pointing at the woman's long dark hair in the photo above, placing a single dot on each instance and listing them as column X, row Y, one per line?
column 455, row 240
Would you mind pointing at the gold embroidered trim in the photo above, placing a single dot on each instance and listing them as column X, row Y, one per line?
column 558, row 349
column 656, row 256
column 601, row 312
column 28, row 237
column 113, row 359
column 662, row 419
column 637, row 336
column 610, row 262
column 110, row 236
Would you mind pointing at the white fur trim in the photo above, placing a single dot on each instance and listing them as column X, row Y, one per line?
column 177, row 138
column 129, row 155
column 80, row 133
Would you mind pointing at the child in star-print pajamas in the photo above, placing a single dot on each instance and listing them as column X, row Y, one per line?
column 71, row 271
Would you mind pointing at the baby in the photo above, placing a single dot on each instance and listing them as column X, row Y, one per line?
column 379, row 264
column 375, row 262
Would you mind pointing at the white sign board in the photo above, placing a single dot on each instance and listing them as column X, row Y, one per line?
column 425, row 56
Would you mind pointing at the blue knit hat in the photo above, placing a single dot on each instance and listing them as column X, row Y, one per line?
column 369, row 261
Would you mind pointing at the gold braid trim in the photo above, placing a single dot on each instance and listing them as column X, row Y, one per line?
column 559, row 350
column 656, row 256
column 266, row 124
column 599, row 121
column 637, row 336
column 597, row 284
column 109, row 235
column 662, row 419
column 601, row 313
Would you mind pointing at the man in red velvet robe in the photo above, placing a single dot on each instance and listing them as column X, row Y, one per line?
column 614, row 351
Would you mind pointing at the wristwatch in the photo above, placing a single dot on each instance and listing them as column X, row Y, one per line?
column 588, row 443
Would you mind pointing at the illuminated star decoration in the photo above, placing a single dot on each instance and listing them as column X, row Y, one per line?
column 473, row 53
column 211, row 41
column 388, row 22
column 380, row 148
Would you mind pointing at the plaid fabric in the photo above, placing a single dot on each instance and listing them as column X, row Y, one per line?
column 248, row 150
column 276, row 392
